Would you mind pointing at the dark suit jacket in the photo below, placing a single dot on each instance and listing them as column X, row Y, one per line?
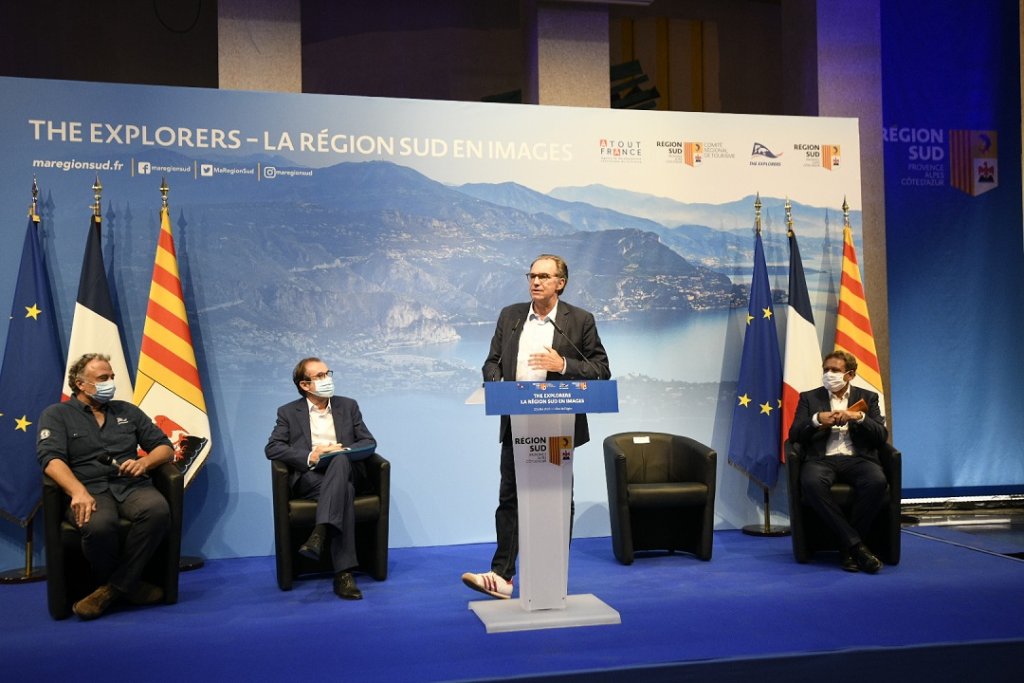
column 291, row 441
column 866, row 436
column 587, row 360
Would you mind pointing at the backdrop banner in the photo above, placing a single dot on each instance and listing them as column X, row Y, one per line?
column 385, row 235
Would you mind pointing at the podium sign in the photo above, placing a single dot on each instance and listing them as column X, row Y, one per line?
column 542, row 398
column 543, row 416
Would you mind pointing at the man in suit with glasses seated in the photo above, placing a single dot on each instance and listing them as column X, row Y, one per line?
column 322, row 438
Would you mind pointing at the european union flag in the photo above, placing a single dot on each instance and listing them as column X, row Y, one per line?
column 757, row 415
column 30, row 380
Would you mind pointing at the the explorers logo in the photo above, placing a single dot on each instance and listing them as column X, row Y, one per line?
column 761, row 155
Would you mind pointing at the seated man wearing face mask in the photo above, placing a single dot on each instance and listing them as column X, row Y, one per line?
column 322, row 438
column 841, row 429
column 89, row 446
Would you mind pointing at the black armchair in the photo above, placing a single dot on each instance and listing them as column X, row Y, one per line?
column 294, row 519
column 661, row 493
column 68, row 577
column 808, row 531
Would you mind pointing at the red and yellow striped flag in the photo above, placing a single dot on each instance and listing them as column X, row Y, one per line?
column 167, row 385
column 853, row 324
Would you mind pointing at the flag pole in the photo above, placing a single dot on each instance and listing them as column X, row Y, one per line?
column 97, row 191
column 185, row 562
column 28, row 574
column 765, row 529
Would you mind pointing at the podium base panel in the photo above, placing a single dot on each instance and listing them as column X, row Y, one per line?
column 503, row 616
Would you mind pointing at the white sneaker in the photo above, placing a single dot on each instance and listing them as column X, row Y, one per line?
column 489, row 583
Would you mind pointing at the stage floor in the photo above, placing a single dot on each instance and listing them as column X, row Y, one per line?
column 751, row 610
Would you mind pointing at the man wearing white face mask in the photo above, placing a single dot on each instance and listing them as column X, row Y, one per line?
column 322, row 438
column 89, row 446
column 841, row 429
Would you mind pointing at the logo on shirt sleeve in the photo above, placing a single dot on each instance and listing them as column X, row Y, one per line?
column 44, row 434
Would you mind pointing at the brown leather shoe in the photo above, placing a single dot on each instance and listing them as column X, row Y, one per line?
column 345, row 587
column 145, row 594
column 94, row 604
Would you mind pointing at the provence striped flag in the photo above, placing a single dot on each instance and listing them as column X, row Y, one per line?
column 754, row 442
column 167, row 387
column 853, row 324
column 29, row 382
column 95, row 325
column 801, row 365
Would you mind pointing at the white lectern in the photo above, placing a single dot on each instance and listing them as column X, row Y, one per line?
column 543, row 419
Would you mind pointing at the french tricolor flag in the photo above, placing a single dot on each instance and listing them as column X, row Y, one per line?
column 94, row 328
column 801, row 367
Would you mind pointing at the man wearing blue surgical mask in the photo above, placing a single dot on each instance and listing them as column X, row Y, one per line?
column 841, row 428
column 89, row 446
column 322, row 438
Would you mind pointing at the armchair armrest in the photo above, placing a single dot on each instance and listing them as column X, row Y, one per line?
column 378, row 474
column 699, row 462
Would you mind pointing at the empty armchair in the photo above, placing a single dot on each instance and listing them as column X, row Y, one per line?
column 809, row 533
column 68, row 577
column 294, row 519
column 661, row 493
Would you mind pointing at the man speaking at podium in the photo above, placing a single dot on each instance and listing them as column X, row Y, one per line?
column 545, row 339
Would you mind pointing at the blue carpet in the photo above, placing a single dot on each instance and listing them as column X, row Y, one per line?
column 749, row 611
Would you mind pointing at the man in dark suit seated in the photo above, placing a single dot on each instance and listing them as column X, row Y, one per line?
column 89, row 446
column 322, row 438
column 841, row 428
column 545, row 339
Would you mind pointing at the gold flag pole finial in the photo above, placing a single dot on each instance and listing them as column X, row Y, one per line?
column 33, row 209
column 97, row 191
column 757, row 214
column 846, row 213
column 789, row 218
column 164, row 189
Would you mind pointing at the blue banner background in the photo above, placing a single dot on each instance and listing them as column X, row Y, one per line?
column 956, row 261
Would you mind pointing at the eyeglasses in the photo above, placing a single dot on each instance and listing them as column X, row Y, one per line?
column 322, row 375
column 543, row 277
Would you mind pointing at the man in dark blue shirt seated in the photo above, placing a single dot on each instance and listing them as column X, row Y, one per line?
column 89, row 445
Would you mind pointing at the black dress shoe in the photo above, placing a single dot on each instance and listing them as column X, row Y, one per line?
column 314, row 545
column 847, row 562
column 345, row 587
column 865, row 559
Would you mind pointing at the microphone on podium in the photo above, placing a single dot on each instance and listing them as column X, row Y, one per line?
column 575, row 348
